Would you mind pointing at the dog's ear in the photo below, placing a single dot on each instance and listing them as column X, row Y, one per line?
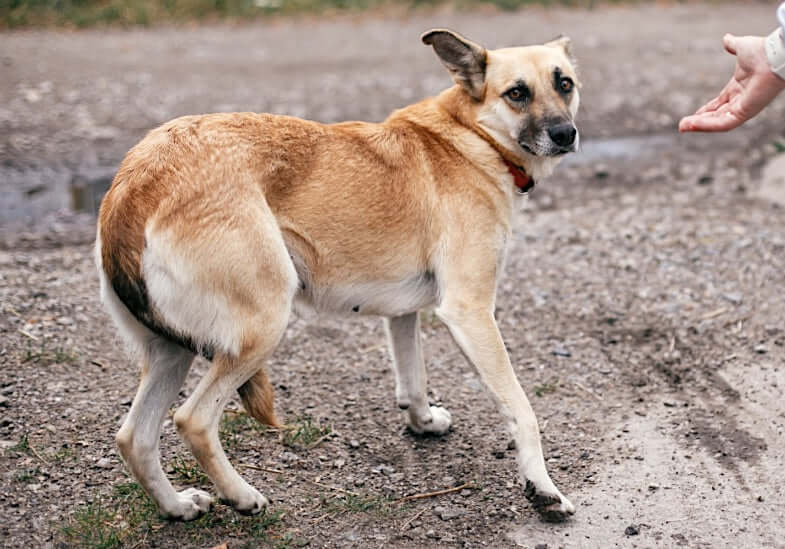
column 464, row 59
column 564, row 43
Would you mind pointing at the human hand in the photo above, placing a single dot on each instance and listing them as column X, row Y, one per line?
column 752, row 87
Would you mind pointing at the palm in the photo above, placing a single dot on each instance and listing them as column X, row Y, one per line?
column 751, row 88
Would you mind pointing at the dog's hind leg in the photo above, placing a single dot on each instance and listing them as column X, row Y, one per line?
column 198, row 418
column 410, row 377
column 249, row 272
column 165, row 365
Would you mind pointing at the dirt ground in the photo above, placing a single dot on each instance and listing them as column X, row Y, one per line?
column 642, row 307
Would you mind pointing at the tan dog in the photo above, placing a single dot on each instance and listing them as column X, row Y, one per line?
column 216, row 224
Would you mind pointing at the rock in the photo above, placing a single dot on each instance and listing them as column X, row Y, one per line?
column 432, row 534
column 448, row 513
column 631, row 530
column 386, row 470
column 353, row 443
column 561, row 351
column 761, row 349
column 103, row 463
column 734, row 297
column 288, row 457
column 541, row 546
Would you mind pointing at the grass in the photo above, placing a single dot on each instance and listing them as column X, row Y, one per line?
column 234, row 425
column 86, row 13
column 127, row 517
column 64, row 454
column 26, row 475
column 187, row 472
column 23, row 446
column 546, row 388
column 305, row 433
column 46, row 356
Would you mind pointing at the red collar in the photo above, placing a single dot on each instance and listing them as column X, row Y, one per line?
column 523, row 181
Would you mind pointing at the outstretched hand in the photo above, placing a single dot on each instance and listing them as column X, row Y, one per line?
column 752, row 87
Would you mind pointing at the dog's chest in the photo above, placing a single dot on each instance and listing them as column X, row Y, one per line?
column 382, row 298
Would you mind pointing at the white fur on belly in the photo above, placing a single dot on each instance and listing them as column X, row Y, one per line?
column 383, row 298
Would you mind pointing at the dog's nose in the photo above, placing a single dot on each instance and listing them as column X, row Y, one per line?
column 563, row 134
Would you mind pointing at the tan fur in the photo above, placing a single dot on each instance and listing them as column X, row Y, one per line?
column 216, row 223
column 257, row 397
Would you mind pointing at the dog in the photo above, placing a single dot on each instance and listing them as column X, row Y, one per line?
column 215, row 226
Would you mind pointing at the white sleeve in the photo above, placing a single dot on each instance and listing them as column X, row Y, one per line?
column 775, row 45
column 781, row 17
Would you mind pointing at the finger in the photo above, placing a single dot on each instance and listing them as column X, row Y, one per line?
column 718, row 101
column 712, row 122
column 712, row 105
column 729, row 41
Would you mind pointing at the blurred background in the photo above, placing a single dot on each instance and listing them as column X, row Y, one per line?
column 82, row 81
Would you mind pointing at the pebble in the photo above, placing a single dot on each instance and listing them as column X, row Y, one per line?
column 103, row 463
column 353, row 443
column 631, row 530
column 561, row 351
column 288, row 457
column 386, row 470
column 432, row 534
column 761, row 349
column 448, row 513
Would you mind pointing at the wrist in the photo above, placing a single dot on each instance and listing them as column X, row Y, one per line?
column 775, row 52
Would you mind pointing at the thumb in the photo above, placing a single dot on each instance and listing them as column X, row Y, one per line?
column 729, row 41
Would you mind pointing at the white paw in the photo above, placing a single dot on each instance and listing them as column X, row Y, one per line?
column 436, row 421
column 249, row 502
column 190, row 504
column 552, row 506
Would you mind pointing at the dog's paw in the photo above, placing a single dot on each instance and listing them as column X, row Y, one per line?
column 436, row 422
column 552, row 507
column 190, row 504
column 250, row 502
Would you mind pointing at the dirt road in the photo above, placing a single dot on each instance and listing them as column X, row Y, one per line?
column 643, row 303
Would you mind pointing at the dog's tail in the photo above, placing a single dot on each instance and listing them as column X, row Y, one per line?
column 257, row 396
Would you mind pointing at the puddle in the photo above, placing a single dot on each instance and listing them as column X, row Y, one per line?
column 33, row 195
column 87, row 189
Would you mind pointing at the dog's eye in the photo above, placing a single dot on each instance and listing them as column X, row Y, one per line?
column 566, row 85
column 517, row 93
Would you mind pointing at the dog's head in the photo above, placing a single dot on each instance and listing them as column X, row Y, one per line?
column 525, row 98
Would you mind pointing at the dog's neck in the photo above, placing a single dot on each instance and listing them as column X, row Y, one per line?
column 454, row 102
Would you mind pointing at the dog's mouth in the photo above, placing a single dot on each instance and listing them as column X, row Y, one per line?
column 550, row 151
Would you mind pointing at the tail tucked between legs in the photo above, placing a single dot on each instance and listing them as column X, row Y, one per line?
column 257, row 396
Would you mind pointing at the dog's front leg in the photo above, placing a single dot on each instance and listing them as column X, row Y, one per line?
column 474, row 328
column 410, row 377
